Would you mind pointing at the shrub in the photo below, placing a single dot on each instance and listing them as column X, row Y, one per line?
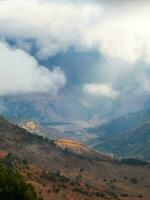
column 134, row 180
column 114, row 195
column 100, row 194
column 82, row 170
column 57, row 177
column 140, row 196
column 105, row 180
column 124, row 195
column 80, row 190
column 14, row 187
column 25, row 162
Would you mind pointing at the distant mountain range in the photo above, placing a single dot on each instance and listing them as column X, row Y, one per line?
column 51, row 115
column 127, row 136
column 112, row 137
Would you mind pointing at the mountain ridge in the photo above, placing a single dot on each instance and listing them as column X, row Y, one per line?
column 127, row 136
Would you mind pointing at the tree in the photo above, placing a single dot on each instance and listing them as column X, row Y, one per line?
column 14, row 187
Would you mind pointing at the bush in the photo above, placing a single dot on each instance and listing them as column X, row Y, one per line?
column 100, row 194
column 124, row 195
column 57, row 177
column 134, row 180
column 80, row 190
column 140, row 196
column 114, row 195
column 82, row 170
column 25, row 162
column 14, row 187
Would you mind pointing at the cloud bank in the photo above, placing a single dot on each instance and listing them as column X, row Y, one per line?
column 21, row 73
column 118, row 31
column 55, row 26
column 122, row 32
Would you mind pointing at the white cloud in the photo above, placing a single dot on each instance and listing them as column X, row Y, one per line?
column 100, row 90
column 122, row 32
column 21, row 73
column 54, row 25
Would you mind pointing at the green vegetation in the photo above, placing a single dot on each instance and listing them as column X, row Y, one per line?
column 14, row 187
column 57, row 177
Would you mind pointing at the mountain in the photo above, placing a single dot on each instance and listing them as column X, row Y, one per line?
column 26, row 145
column 56, row 130
column 127, row 136
column 51, row 115
column 67, row 169
column 35, row 128
column 42, row 108
column 132, row 143
column 57, row 119
column 121, row 124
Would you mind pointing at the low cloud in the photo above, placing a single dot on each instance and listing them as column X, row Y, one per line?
column 103, row 90
column 21, row 73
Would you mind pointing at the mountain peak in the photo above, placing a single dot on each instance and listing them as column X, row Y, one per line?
column 30, row 126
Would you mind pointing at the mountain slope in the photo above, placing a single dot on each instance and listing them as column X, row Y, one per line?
column 128, row 136
column 26, row 145
column 82, row 150
column 133, row 143
column 122, row 124
column 64, row 169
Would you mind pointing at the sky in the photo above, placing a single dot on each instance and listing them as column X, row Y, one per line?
column 96, row 52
